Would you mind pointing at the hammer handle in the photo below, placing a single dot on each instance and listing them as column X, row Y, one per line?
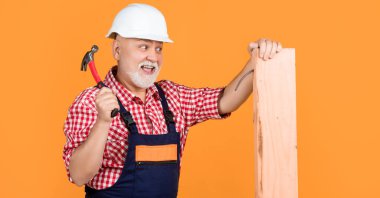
column 94, row 73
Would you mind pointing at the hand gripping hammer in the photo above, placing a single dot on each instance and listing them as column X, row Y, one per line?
column 88, row 59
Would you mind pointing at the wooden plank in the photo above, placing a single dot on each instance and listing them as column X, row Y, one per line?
column 274, row 92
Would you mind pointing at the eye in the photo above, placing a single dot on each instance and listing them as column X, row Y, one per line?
column 143, row 47
column 159, row 49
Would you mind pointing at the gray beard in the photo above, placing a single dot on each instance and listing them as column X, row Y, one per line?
column 143, row 81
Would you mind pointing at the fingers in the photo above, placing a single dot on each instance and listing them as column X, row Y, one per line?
column 105, row 102
column 273, row 49
column 263, row 46
column 279, row 47
column 267, row 48
column 104, row 90
column 106, row 99
column 106, row 93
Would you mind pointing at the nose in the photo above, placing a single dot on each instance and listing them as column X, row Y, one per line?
column 153, row 56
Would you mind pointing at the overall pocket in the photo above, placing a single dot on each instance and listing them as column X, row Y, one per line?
column 157, row 171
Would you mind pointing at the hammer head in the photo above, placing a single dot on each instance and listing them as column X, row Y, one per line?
column 88, row 57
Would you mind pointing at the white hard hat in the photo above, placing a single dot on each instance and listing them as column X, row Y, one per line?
column 140, row 21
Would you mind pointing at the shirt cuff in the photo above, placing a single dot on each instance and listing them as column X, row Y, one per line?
column 66, row 159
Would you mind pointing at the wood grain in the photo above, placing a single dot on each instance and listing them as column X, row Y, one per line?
column 274, row 90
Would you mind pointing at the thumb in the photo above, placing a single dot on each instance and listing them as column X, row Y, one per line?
column 255, row 55
column 114, row 91
column 255, row 52
column 251, row 46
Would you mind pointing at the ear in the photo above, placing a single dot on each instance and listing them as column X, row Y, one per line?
column 116, row 49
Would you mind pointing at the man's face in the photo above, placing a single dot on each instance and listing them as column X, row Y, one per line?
column 139, row 60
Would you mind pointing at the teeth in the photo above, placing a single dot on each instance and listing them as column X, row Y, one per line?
column 148, row 67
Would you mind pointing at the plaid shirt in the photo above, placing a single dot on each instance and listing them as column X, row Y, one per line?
column 189, row 106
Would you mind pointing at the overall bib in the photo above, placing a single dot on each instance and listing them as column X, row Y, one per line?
column 151, row 168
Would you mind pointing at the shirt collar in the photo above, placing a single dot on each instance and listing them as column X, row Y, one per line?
column 123, row 93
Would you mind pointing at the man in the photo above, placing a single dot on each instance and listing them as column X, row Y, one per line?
column 138, row 152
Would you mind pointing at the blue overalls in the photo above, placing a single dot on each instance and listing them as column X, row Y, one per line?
column 146, row 179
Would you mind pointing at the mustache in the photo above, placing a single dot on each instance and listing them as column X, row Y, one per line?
column 148, row 63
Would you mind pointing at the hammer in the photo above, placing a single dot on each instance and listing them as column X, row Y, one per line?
column 88, row 59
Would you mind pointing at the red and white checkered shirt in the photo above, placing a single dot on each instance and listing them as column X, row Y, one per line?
column 189, row 106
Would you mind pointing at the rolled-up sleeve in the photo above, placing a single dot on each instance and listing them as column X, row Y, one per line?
column 80, row 118
column 200, row 104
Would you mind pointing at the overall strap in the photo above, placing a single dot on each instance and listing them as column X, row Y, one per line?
column 125, row 115
column 169, row 117
column 127, row 118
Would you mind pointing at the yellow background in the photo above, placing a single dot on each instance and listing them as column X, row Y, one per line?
column 337, row 44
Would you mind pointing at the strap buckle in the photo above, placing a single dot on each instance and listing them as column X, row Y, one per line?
column 127, row 117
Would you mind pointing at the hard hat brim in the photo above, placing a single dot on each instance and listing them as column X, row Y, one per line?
column 141, row 36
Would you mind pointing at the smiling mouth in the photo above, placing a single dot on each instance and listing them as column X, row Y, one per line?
column 148, row 69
